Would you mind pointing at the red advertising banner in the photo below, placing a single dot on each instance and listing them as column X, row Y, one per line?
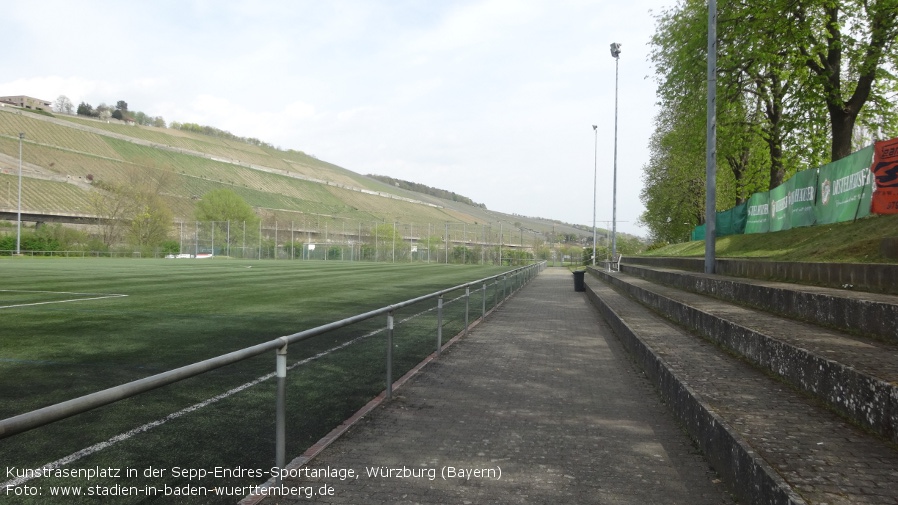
column 885, row 170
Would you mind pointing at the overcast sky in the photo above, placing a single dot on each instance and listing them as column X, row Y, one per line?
column 492, row 99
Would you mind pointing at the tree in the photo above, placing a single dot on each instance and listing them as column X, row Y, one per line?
column 85, row 109
column 151, row 221
column 132, row 209
column 846, row 45
column 225, row 208
column 784, row 67
column 63, row 105
column 224, row 205
column 103, row 111
column 122, row 106
column 389, row 245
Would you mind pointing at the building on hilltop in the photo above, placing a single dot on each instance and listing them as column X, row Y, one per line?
column 27, row 102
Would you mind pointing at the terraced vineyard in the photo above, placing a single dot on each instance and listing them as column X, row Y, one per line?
column 66, row 157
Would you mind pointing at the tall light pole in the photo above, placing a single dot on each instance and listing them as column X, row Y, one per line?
column 595, row 181
column 711, row 143
column 19, row 218
column 615, row 52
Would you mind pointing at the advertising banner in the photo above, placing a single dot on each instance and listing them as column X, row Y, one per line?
column 698, row 233
column 758, row 215
column 844, row 188
column 885, row 173
column 802, row 198
column 779, row 207
column 731, row 222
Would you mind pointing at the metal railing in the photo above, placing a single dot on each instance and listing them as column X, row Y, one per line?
column 507, row 283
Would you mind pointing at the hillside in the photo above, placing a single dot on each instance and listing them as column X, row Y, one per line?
column 66, row 158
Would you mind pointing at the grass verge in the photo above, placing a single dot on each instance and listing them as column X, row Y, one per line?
column 850, row 242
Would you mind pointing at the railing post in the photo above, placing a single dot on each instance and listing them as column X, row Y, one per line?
column 467, row 307
column 390, row 355
column 280, row 435
column 439, row 324
column 483, row 309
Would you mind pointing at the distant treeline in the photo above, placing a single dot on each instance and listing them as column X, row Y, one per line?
column 215, row 132
column 427, row 190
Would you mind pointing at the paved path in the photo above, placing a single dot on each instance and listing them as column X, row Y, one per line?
column 541, row 392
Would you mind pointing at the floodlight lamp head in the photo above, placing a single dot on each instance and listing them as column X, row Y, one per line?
column 594, row 127
column 22, row 135
column 615, row 49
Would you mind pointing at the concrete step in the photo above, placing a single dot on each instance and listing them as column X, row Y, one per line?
column 856, row 312
column 855, row 376
column 768, row 441
column 871, row 277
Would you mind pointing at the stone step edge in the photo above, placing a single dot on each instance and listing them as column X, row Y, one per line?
column 865, row 317
column 860, row 397
column 747, row 473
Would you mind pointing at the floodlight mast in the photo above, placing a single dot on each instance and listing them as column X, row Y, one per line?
column 594, row 184
column 615, row 52
column 19, row 213
column 711, row 143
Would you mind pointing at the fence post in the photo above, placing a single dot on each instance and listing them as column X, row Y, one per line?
column 467, row 306
column 390, row 355
column 281, row 411
column 483, row 309
column 439, row 324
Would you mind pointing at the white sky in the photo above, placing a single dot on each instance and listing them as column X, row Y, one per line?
column 492, row 99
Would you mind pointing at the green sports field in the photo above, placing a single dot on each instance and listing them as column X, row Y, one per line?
column 69, row 327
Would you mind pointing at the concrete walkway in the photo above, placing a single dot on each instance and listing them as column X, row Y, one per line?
column 539, row 404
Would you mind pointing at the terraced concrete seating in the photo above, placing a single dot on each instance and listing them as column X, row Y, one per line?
column 789, row 390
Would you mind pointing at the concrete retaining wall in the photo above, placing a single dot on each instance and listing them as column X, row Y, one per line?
column 873, row 277
column 860, row 315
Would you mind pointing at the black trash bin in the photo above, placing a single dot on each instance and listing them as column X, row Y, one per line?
column 579, row 280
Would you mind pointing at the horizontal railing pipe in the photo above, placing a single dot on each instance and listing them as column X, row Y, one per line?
column 56, row 412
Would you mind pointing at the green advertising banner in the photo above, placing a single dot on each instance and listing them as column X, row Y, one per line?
column 698, row 233
column 845, row 188
column 802, row 198
column 779, row 207
column 732, row 221
column 758, row 213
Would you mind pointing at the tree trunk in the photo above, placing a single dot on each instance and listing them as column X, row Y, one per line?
column 842, row 122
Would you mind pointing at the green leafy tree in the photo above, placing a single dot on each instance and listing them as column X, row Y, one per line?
column 388, row 243
column 85, row 109
column 224, row 205
column 848, row 45
column 151, row 221
column 227, row 210
column 793, row 77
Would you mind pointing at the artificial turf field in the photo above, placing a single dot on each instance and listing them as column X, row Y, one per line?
column 69, row 327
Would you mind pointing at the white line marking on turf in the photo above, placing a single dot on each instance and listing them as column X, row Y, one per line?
column 93, row 296
column 153, row 424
